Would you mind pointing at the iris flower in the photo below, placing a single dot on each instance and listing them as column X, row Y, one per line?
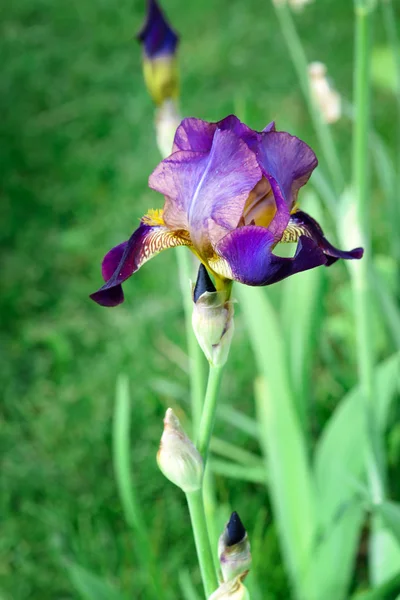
column 231, row 197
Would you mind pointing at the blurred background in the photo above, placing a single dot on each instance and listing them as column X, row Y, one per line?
column 77, row 147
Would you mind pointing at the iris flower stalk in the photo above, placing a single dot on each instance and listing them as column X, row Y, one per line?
column 361, row 287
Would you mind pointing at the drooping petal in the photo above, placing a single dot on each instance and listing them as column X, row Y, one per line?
column 288, row 160
column 245, row 255
column 126, row 258
column 206, row 192
column 156, row 35
column 302, row 224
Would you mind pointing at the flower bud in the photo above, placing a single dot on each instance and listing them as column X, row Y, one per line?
column 232, row 590
column 326, row 98
column 159, row 42
column 234, row 550
column 177, row 457
column 167, row 121
column 212, row 319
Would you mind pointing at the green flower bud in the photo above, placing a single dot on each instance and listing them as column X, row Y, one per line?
column 232, row 590
column 234, row 550
column 177, row 457
column 212, row 319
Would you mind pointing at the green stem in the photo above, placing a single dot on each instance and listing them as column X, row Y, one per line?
column 299, row 60
column 200, row 532
column 360, row 270
column 196, row 357
column 209, row 410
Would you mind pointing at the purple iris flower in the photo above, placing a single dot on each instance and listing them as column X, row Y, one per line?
column 230, row 196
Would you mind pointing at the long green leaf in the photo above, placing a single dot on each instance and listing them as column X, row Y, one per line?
column 281, row 440
column 90, row 586
column 339, row 470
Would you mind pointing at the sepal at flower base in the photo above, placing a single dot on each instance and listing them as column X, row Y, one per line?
column 232, row 590
column 212, row 319
column 234, row 550
column 177, row 458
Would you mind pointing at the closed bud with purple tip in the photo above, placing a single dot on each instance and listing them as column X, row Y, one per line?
column 234, row 550
column 159, row 43
column 177, row 457
column 212, row 318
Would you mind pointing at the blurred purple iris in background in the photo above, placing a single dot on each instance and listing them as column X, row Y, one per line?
column 230, row 196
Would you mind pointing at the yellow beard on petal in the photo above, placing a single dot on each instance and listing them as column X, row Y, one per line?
column 153, row 217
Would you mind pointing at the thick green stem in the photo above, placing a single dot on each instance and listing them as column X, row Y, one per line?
column 209, row 410
column 300, row 63
column 200, row 532
column 360, row 270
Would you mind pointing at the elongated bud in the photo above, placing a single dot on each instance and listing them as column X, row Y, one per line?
column 232, row 590
column 327, row 99
column 167, row 121
column 160, row 67
column 212, row 319
column 234, row 550
column 177, row 457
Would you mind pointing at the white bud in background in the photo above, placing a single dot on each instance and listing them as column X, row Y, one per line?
column 177, row 457
column 326, row 98
column 167, row 121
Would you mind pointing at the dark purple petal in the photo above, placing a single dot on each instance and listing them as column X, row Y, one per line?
column 156, row 35
column 248, row 252
column 206, row 192
column 288, row 160
column 303, row 224
column 126, row 258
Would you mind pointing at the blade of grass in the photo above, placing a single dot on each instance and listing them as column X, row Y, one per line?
column 126, row 487
column 281, row 440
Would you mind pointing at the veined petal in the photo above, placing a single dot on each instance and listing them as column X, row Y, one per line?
column 206, row 189
column 288, row 160
column 126, row 258
column 302, row 224
column 245, row 255
column 197, row 135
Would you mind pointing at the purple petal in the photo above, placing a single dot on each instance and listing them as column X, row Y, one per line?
column 269, row 127
column 304, row 224
column 156, row 35
column 197, row 135
column 126, row 258
column 288, row 160
column 248, row 252
column 207, row 192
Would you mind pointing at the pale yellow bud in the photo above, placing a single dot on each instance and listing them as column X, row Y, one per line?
column 326, row 98
column 232, row 590
column 177, row 457
column 213, row 326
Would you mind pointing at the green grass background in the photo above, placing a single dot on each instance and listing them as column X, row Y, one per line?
column 77, row 147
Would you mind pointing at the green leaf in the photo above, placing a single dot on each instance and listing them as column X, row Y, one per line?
column 339, row 471
column 91, row 586
column 282, row 441
column 233, row 470
column 388, row 591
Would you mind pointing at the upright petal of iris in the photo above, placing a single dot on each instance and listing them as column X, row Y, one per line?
column 160, row 43
column 231, row 195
